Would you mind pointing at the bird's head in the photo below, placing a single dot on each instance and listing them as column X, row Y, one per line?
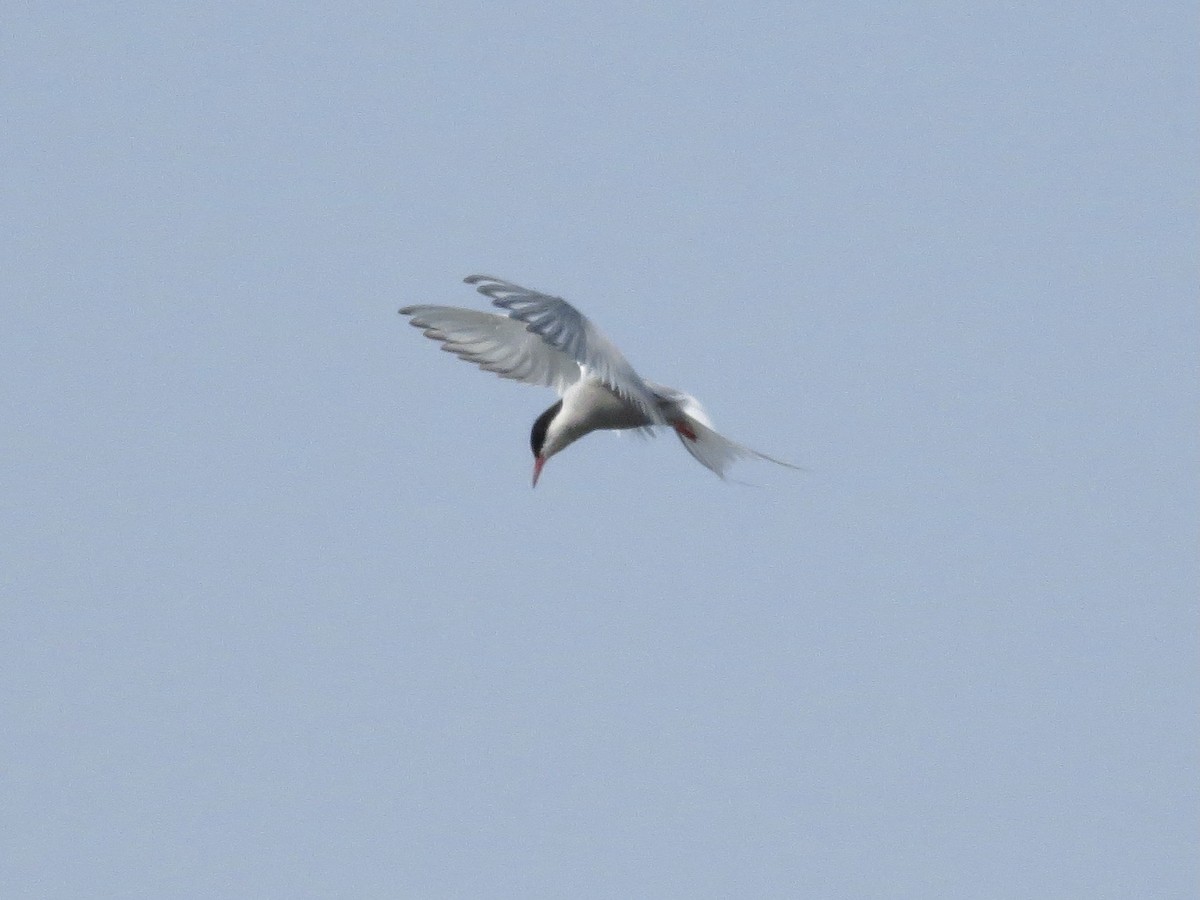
column 542, row 447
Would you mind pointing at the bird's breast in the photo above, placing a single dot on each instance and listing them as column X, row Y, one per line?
column 589, row 405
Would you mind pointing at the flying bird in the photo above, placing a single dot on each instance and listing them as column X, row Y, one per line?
column 544, row 340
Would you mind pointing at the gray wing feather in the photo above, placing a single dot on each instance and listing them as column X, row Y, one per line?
column 567, row 330
column 496, row 344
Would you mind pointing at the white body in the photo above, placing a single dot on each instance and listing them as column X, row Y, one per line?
column 590, row 406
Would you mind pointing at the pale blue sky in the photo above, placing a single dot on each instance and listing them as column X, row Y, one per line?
column 281, row 616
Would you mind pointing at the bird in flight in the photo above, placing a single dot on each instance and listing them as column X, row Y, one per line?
column 546, row 341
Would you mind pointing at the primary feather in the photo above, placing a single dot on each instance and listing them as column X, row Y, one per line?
column 496, row 344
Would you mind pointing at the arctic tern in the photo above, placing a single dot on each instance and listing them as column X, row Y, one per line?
column 544, row 340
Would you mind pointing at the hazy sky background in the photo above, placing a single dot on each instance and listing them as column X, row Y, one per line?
column 281, row 616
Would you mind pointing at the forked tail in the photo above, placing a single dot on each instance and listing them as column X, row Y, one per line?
column 695, row 431
column 714, row 450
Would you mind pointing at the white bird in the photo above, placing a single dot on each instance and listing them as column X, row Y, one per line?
column 544, row 340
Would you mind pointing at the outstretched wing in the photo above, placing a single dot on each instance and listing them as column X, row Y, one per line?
column 496, row 344
column 567, row 330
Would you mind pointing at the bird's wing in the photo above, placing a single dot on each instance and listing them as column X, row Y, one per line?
column 567, row 330
column 496, row 344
